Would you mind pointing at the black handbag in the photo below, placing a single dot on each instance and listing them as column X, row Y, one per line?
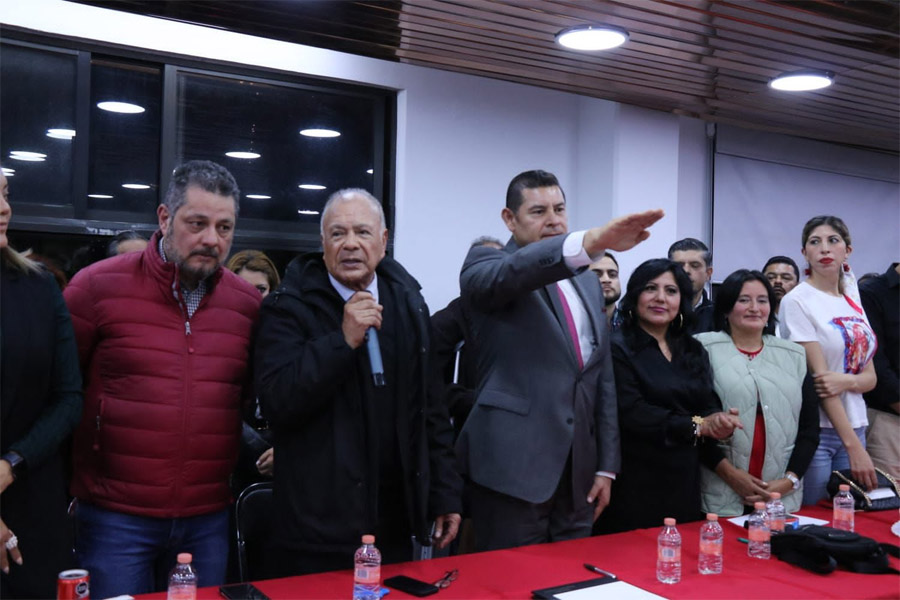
column 861, row 499
column 822, row 549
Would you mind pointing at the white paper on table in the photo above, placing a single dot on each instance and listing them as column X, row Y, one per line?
column 879, row 493
column 739, row 521
column 616, row 589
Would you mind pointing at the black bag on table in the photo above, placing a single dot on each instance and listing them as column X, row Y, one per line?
column 822, row 549
column 861, row 499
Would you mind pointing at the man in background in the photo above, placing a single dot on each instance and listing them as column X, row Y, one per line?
column 453, row 373
column 164, row 343
column 607, row 271
column 784, row 275
column 696, row 259
column 881, row 300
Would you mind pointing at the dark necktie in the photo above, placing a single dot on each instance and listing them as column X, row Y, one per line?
column 570, row 322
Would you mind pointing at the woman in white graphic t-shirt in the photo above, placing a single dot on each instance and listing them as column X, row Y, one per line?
column 824, row 315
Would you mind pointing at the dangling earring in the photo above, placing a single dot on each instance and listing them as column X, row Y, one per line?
column 680, row 321
column 807, row 272
column 846, row 268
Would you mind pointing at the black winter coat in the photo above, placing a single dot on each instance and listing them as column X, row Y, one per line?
column 309, row 384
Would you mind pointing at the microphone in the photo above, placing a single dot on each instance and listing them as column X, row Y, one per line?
column 375, row 363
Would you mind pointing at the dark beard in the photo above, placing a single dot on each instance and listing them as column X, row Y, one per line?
column 189, row 275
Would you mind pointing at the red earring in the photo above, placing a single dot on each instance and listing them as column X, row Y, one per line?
column 846, row 268
column 807, row 272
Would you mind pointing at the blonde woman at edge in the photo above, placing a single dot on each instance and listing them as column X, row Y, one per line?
column 825, row 316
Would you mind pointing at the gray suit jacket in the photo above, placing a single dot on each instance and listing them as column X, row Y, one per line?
column 533, row 403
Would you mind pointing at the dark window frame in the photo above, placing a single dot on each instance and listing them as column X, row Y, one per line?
column 250, row 232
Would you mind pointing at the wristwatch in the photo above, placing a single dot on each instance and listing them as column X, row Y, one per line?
column 16, row 462
column 795, row 481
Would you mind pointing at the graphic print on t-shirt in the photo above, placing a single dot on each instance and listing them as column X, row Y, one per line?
column 859, row 342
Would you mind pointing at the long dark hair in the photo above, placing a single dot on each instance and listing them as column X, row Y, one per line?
column 687, row 352
column 730, row 291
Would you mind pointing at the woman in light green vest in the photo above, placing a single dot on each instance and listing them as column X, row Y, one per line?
column 764, row 377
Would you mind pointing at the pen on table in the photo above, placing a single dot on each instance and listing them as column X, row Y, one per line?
column 744, row 540
column 598, row 570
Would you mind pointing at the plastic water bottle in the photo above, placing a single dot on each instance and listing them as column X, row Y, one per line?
column 843, row 509
column 183, row 579
column 759, row 546
column 711, row 536
column 777, row 514
column 367, row 570
column 668, row 553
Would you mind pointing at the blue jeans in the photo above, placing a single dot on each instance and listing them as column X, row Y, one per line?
column 830, row 456
column 128, row 554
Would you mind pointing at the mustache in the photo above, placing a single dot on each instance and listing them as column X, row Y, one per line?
column 211, row 252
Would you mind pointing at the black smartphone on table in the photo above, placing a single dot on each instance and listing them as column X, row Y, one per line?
column 242, row 591
column 411, row 586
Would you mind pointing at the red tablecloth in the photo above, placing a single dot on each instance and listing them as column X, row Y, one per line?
column 631, row 556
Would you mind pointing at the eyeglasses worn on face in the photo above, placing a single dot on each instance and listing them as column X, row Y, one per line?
column 448, row 578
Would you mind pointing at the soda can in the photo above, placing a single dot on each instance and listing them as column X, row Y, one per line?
column 73, row 584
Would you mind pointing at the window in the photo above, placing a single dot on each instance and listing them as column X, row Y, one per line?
column 82, row 170
column 126, row 117
column 37, row 96
column 288, row 146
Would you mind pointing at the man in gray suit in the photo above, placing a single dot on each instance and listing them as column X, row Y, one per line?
column 541, row 446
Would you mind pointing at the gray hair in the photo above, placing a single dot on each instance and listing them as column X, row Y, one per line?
column 348, row 194
column 485, row 240
column 123, row 236
column 206, row 175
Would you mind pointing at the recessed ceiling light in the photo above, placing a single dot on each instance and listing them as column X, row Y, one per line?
column 121, row 107
column 244, row 155
column 802, row 81
column 27, row 156
column 136, row 186
column 100, row 196
column 8, row 172
column 320, row 133
column 61, row 134
column 370, row 171
column 311, row 186
column 308, row 212
column 592, row 37
column 259, row 197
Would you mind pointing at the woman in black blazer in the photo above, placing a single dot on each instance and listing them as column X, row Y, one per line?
column 668, row 409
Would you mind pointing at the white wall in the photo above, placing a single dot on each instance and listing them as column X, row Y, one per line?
column 460, row 139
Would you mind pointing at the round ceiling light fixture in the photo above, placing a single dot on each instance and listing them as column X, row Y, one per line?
column 120, row 107
column 245, row 155
column 320, row 133
column 61, row 134
column 802, row 81
column 592, row 37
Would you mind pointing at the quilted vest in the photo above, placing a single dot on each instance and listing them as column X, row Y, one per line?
column 774, row 377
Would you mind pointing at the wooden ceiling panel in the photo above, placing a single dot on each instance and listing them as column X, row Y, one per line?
column 708, row 58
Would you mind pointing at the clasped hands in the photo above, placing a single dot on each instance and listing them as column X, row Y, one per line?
column 721, row 425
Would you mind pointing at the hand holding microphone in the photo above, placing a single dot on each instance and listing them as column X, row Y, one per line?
column 362, row 319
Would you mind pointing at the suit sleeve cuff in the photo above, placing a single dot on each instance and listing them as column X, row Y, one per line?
column 606, row 474
column 574, row 254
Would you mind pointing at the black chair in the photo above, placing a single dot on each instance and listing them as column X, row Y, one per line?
column 255, row 529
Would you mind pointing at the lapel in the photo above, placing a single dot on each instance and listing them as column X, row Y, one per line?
column 589, row 292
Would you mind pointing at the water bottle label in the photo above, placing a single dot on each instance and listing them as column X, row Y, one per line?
column 758, row 534
column 711, row 547
column 368, row 574
column 669, row 554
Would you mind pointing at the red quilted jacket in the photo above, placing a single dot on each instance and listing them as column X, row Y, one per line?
column 161, row 424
